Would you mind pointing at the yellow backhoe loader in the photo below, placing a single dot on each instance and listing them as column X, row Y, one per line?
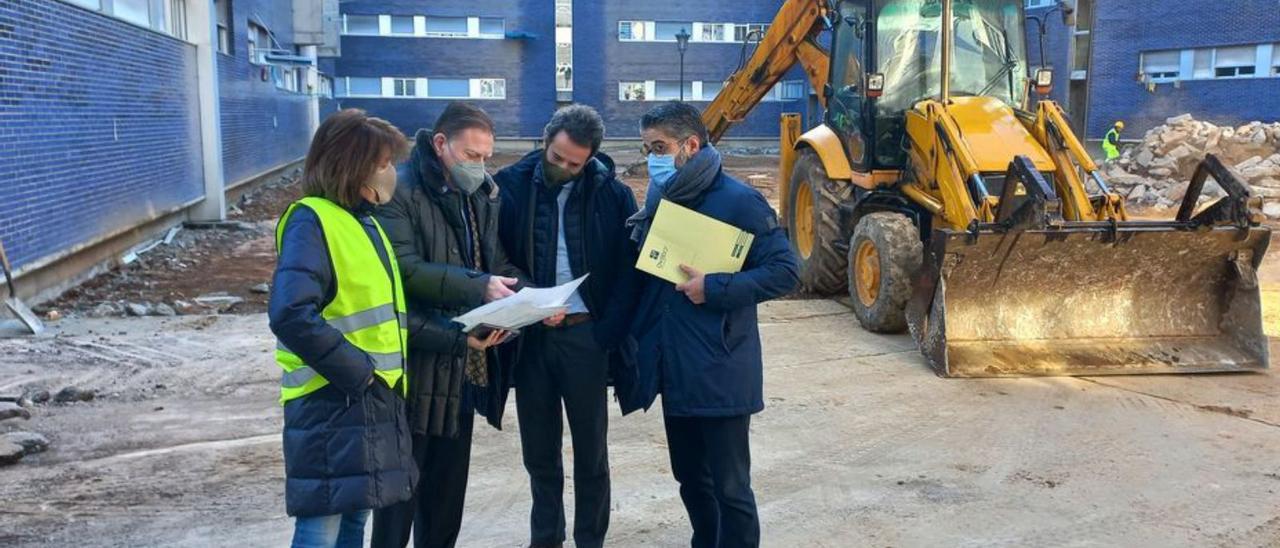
column 948, row 205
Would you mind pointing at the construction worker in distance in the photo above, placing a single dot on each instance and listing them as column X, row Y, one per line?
column 1111, row 142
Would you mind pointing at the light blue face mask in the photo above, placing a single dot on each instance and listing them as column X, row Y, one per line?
column 662, row 169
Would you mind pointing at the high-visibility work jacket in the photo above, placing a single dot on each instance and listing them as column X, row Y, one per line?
column 368, row 306
column 1109, row 144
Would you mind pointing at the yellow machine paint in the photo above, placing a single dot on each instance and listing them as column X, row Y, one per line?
column 945, row 203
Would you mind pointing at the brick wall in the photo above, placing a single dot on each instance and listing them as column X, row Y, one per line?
column 527, row 64
column 601, row 61
column 1126, row 28
column 99, row 127
column 263, row 127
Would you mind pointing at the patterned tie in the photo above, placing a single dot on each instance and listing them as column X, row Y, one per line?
column 477, row 369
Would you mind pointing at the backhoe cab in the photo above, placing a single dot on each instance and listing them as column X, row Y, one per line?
column 943, row 201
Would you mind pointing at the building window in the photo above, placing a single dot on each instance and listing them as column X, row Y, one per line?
column 178, row 19
column 741, row 32
column 362, row 24
column 259, row 43
column 401, row 24
column 1275, row 59
column 631, row 30
column 363, row 87
column 631, row 91
column 95, row 5
column 1235, row 62
column 137, row 12
column 492, row 88
column 288, row 79
column 1160, row 66
column 792, row 90
column 670, row 89
column 1202, row 65
column 223, row 9
column 405, row 87
column 449, row 27
column 492, row 27
column 713, row 32
column 667, row 30
column 444, row 88
column 1031, row 4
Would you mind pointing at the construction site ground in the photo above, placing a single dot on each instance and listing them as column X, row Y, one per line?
column 860, row 443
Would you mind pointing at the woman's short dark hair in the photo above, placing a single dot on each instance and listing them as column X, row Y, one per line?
column 679, row 120
column 459, row 116
column 345, row 152
column 581, row 123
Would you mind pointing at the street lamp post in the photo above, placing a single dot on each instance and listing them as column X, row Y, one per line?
column 682, row 43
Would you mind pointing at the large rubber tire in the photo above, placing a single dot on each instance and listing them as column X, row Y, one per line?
column 885, row 247
column 813, row 224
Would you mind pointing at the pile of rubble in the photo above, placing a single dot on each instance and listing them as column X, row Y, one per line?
column 1157, row 171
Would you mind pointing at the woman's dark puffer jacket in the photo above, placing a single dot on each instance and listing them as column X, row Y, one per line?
column 346, row 445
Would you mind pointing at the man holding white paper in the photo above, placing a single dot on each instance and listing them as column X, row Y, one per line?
column 699, row 342
column 564, row 215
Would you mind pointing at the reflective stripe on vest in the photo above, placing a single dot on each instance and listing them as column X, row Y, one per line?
column 367, row 308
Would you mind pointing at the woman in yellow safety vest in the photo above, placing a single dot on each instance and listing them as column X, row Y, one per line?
column 338, row 313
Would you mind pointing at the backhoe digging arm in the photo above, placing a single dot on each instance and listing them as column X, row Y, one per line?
column 789, row 40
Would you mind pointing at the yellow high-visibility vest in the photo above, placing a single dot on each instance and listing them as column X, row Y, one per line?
column 1111, row 150
column 368, row 306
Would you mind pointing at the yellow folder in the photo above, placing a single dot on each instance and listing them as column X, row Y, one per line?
column 679, row 235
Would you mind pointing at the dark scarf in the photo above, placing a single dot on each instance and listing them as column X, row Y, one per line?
column 686, row 188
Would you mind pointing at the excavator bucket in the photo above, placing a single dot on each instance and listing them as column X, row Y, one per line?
column 1030, row 295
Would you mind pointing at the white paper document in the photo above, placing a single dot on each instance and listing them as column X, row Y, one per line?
column 527, row 307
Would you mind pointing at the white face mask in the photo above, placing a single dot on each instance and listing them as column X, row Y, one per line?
column 383, row 184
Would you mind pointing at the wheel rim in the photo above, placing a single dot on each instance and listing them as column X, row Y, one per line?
column 804, row 220
column 866, row 271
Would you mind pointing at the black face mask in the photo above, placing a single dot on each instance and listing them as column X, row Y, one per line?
column 555, row 175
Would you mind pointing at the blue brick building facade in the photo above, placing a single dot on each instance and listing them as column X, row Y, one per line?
column 265, row 123
column 392, row 46
column 1149, row 60
column 621, row 42
column 98, row 127
column 405, row 60
column 115, row 116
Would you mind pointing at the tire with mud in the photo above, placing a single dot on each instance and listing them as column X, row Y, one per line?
column 885, row 252
column 813, row 224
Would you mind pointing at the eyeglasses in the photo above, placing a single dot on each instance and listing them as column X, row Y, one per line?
column 647, row 150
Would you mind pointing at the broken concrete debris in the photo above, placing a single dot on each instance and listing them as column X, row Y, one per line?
column 138, row 309
column 1156, row 171
column 220, row 300
column 15, row 445
column 10, row 452
column 72, row 394
column 10, row 410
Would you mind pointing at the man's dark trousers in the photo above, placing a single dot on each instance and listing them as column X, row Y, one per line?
column 711, row 458
column 568, row 367
column 436, row 517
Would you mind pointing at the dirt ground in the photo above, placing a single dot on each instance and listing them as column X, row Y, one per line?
column 860, row 444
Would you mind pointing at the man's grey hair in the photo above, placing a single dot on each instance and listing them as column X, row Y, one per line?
column 581, row 123
column 679, row 120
